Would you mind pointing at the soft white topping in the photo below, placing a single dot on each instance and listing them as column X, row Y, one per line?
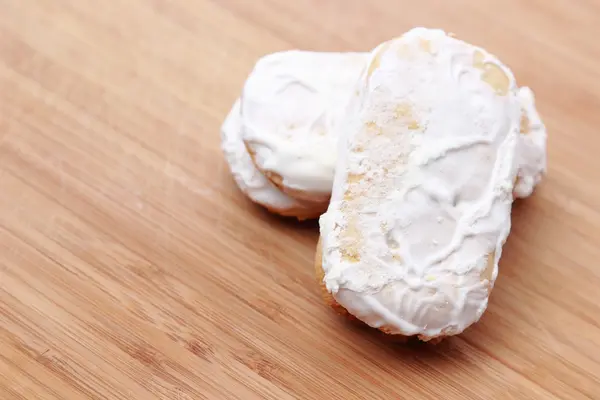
column 254, row 184
column 531, row 153
column 290, row 104
column 422, row 194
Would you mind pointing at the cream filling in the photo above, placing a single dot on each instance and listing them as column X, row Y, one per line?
column 422, row 194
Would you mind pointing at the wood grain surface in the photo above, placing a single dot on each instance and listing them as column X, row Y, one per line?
column 131, row 267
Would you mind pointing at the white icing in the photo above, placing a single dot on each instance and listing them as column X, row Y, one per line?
column 290, row 88
column 422, row 193
column 290, row 104
column 531, row 154
column 249, row 179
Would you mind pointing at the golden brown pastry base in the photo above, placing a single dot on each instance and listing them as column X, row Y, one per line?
column 330, row 301
column 301, row 214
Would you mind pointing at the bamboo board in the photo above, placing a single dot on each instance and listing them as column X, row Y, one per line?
column 132, row 268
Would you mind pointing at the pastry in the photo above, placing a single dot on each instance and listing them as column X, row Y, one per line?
column 423, row 189
column 251, row 181
column 290, row 105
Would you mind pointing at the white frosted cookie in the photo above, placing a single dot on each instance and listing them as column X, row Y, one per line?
column 250, row 181
column 531, row 153
column 422, row 194
column 310, row 176
column 290, row 104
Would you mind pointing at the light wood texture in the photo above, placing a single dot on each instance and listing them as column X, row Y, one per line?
column 132, row 268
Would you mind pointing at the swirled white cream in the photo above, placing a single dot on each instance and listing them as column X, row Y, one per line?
column 422, row 195
column 290, row 104
column 250, row 181
column 531, row 153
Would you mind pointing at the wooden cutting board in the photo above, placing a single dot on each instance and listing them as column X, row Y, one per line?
column 131, row 267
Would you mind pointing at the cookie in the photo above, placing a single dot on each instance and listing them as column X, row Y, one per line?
column 291, row 104
column 251, row 181
column 423, row 189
